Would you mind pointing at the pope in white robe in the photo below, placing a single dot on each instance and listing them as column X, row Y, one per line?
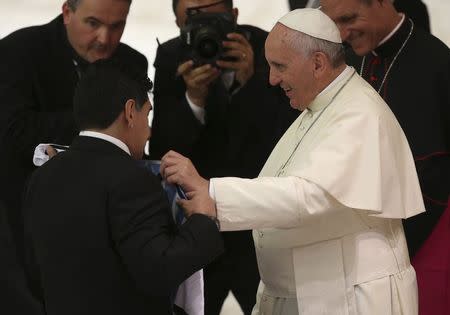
column 326, row 209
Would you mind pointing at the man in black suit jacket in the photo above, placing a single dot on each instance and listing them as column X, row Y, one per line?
column 39, row 69
column 227, row 119
column 99, row 229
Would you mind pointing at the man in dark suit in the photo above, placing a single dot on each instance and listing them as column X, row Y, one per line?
column 226, row 118
column 99, row 230
column 39, row 70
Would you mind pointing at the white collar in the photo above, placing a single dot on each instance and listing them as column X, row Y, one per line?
column 393, row 31
column 344, row 74
column 103, row 136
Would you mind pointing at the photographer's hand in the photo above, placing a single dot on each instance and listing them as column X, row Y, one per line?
column 242, row 51
column 197, row 80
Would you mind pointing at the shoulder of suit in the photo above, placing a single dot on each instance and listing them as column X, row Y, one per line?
column 427, row 45
column 32, row 36
column 127, row 170
column 170, row 47
column 169, row 53
column 173, row 42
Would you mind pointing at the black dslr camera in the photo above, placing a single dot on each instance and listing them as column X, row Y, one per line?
column 203, row 35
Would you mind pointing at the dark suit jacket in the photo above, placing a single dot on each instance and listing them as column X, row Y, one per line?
column 15, row 295
column 102, row 237
column 37, row 82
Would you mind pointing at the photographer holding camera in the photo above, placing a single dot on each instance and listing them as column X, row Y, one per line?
column 214, row 104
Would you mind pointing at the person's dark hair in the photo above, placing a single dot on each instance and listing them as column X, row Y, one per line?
column 73, row 4
column 104, row 89
column 228, row 4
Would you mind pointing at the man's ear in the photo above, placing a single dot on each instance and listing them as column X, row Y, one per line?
column 318, row 63
column 130, row 112
column 66, row 12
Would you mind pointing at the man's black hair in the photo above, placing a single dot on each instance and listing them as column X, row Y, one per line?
column 104, row 89
column 73, row 4
column 227, row 3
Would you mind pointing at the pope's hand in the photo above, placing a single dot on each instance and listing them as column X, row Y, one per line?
column 179, row 170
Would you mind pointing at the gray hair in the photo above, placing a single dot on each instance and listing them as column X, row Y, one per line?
column 307, row 45
column 73, row 4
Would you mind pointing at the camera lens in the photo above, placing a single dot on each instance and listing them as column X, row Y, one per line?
column 208, row 48
column 208, row 43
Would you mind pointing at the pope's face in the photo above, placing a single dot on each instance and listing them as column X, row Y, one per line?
column 361, row 24
column 289, row 69
column 95, row 27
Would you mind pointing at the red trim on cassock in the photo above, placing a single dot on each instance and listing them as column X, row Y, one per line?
column 434, row 154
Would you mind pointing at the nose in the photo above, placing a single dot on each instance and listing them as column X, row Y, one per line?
column 345, row 33
column 274, row 78
column 103, row 35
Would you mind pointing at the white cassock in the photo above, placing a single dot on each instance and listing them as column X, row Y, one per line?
column 326, row 209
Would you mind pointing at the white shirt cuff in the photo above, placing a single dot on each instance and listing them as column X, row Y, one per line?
column 212, row 192
column 199, row 112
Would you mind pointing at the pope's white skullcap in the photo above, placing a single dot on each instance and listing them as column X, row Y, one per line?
column 312, row 22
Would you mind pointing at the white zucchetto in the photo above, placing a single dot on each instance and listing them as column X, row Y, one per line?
column 312, row 22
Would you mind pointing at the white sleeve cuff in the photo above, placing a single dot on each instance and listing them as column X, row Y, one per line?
column 199, row 112
column 212, row 192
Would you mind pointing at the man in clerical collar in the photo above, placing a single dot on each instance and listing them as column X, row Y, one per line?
column 40, row 68
column 327, row 206
column 410, row 69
